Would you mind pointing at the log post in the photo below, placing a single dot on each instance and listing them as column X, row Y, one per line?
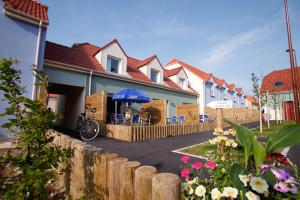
column 219, row 118
column 127, row 179
column 114, row 177
column 165, row 186
column 143, row 182
column 105, row 158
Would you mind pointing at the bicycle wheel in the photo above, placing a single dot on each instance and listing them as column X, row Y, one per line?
column 89, row 130
column 79, row 124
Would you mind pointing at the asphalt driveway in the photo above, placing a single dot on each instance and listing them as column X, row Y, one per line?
column 157, row 152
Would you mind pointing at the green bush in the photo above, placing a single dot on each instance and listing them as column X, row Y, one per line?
column 35, row 158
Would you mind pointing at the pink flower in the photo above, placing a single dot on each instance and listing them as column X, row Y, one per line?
column 185, row 159
column 196, row 165
column 210, row 164
column 185, row 172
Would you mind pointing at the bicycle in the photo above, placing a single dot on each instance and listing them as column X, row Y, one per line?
column 87, row 127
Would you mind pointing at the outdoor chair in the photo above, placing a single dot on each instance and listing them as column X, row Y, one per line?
column 135, row 119
column 181, row 119
column 203, row 118
column 120, row 119
column 210, row 118
column 147, row 120
column 173, row 120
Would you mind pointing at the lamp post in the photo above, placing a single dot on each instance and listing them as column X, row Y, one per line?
column 292, row 62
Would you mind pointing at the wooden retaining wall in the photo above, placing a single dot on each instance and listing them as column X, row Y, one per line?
column 95, row 174
column 158, row 111
column 190, row 111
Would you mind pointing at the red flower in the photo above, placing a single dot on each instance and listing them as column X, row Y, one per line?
column 196, row 165
column 185, row 159
column 210, row 164
column 185, row 172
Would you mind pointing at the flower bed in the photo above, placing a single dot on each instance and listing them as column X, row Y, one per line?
column 243, row 168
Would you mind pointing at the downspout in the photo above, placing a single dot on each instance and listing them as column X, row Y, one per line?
column 34, row 92
column 90, row 82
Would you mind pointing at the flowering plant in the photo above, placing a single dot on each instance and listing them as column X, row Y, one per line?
column 244, row 168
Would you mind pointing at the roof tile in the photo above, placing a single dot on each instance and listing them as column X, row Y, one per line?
column 29, row 7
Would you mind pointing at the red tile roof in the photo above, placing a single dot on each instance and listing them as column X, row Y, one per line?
column 82, row 55
column 108, row 44
column 201, row 74
column 218, row 81
column 230, row 86
column 251, row 99
column 172, row 72
column 279, row 81
column 146, row 61
column 239, row 90
column 28, row 7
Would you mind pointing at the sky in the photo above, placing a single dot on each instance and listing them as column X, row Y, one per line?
column 229, row 38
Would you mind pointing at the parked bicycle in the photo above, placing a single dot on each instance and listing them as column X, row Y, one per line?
column 87, row 126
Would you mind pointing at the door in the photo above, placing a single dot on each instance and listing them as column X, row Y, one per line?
column 289, row 110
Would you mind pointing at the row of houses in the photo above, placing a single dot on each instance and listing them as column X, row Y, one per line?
column 84, row 69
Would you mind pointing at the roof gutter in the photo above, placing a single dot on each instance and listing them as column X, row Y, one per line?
column 24, row 17
column 75, row 68
column 35, row 66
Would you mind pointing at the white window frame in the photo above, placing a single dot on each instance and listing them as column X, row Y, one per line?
column 108, row 64
column 212, row 91
column 183, row 86
column 158, row 72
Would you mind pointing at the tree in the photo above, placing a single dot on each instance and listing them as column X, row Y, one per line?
column 35, row 157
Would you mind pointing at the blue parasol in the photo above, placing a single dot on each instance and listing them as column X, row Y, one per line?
column 131, row 96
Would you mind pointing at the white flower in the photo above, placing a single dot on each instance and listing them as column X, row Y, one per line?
column 234, row 144
column 216, row 194
column 245, row 179
column 200, row 191
column 230, row 192
column 190, row 190
column 251, row 196
column 195, row 180
column 213, row 141
column 226, row 133
column 259, row 185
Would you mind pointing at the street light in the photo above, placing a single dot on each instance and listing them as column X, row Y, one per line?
column 292, row 62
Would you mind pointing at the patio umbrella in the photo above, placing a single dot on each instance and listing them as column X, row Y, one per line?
column 131, row 96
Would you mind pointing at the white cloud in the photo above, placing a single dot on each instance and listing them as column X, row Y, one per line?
column 226, row 50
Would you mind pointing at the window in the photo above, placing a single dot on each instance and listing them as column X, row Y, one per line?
column 212, row 91
column 113, row 65
column 234, row 98
column 222, row 95
column 278, row 84
column 181, row 83
column 154, row 75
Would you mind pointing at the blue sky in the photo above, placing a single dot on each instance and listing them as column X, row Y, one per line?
column 228, row 38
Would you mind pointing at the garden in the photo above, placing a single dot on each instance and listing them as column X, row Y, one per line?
column 239, row 166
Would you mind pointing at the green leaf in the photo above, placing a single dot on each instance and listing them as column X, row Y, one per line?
column 244, row 138
column 285, row 136
column 259, row 153
column 235, row 171
column 270, row 178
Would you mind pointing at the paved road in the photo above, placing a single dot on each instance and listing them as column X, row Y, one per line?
column 157, row 152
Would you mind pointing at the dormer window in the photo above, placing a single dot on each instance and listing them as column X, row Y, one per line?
column 182, row 83
column 155, row 75
column 113, row 64
column 212, row 91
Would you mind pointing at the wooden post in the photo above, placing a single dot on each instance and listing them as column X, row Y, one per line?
column 219, row 118
column 127, row 179
column 166, row 186
column 104, row 179
column 114, row 177
column 143, row 182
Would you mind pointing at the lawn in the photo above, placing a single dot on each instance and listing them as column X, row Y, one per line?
column 273, row 126
column 204, row 150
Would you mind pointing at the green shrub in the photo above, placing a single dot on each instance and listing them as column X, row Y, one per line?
column 35, row 158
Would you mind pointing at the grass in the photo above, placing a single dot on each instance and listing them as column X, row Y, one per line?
column 203, row 149
column 273, row 126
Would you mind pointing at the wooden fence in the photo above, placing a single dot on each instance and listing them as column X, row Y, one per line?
column 140, row 133
column 95, row 174
column 190, row 111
